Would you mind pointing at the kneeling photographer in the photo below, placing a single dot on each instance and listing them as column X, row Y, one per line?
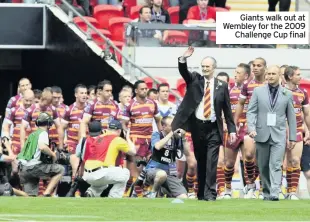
column 37, row 160
column 102, row 156
column 161, row 171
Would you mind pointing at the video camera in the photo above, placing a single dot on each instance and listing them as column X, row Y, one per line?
column 62, row 157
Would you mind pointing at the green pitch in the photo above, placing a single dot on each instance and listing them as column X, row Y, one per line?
column 102, row 209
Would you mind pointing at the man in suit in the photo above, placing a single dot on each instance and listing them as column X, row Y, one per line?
column 270, row 108
column 200, row 113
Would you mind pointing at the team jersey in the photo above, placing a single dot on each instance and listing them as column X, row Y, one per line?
column 300, row 100
column 53, row 134
column 14, row 101
column 73, row 116
column 102, row 112
column 234, row 93
column 169, row 109
column 15, row 117
column 247, row 91
column 33, row 112
column 141, row 117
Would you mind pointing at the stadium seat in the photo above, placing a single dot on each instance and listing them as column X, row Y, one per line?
column 181, row 87
column 174, row 14
column 117, row 29
column 127, row 4
column 176, row 38
column 134, row 11
column 103, row 13
column 149, row 82
column 172, row 98
column 93, row 3
column 17, row 1
column 97, row 38
column 305, row 84
column 166, row 4
column 118, row 45
column 82, row 25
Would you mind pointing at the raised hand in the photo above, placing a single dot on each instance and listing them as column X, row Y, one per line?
column 188, row 52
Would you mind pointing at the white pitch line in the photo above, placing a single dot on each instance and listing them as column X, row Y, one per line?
column 48, row 216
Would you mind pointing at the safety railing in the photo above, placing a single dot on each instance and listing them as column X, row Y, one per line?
column 72, row 11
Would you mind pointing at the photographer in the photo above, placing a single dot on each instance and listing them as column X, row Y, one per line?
column 161, row 171
column 102, row 155
column 37, row 160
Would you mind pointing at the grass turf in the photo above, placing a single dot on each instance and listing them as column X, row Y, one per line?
column 103, row 209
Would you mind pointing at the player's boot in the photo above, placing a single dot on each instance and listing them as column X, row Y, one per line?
column 292, row 196
column 220, row 196
column 191, row 195
column 227, row 194
column 250, row 191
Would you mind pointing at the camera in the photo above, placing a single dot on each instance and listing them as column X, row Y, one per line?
column 4, row 149
column 63, row 157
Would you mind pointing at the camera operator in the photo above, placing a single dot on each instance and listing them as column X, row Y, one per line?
column 37, row 160
column 161, row 171
column 6, row 159
column 102, row 155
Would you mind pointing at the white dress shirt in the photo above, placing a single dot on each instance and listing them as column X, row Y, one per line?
column 200, row 109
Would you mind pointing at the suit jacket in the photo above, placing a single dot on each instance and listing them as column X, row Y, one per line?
column 257, row 115
column 185, row 116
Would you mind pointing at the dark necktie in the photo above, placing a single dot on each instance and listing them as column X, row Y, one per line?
column 273, row 93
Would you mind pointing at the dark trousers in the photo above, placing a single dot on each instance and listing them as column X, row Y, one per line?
column 217, row 3
column 284, row 5
column 207, row 140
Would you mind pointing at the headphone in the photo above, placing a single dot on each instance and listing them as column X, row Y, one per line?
column 47, row 120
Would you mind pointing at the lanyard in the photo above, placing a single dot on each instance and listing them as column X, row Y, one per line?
column 272, row 103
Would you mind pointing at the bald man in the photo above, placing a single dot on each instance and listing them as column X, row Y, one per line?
column 270, row 108
column 14, row 118
column 23, row 85
column 200, row 113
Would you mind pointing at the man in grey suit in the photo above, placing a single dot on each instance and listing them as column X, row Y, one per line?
column 271, row 106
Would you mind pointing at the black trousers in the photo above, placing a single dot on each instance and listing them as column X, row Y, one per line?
column 207, row 141
column 284, row 5
column 217, row 3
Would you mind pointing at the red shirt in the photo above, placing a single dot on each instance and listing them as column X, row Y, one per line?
column 194, row 13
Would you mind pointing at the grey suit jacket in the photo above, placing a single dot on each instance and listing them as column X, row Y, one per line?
column 257, row 115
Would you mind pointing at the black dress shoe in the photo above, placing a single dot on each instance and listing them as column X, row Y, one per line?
column 266, row 198
column 274, row 198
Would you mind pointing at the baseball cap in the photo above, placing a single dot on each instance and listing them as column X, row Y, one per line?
column 95, row 128
column 115, row 124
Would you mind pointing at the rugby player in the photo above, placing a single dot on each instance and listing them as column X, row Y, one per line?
column 301, row 106
column 23, row 85
column 102, row 109
column 73, row 116
column 140, row 114
column 15, row 116
column 251, row 170
column 60, row 108
column 32, row 113
column 242, row 73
